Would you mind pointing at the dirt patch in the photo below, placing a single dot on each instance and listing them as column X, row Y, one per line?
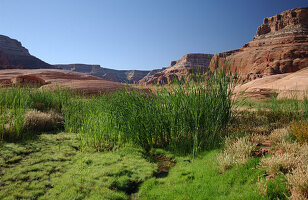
column 263, row 148
column 164, row 164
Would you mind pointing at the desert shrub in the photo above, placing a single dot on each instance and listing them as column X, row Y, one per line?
column 288, row 147
column 298, row 181
column 293, row 155
column 300, row 130
column 284, row 163
column 279, row 135
column 40, row 121
column 235, row 152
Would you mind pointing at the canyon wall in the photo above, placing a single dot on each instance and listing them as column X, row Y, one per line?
column 14, row 55
column 124, row 76
column 280, row 46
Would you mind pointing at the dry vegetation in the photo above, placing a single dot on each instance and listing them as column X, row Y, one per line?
column 43, row 121
column 236, row 151
column 285, row 159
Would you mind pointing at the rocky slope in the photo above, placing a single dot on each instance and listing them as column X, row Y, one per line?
column 189, row 63
column 287, row 85
column 280, row 46
column 14, row 55
column 130, row 76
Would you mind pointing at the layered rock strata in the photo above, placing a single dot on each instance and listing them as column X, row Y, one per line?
column 14, row 55
column 129, row 76
column 280, row 46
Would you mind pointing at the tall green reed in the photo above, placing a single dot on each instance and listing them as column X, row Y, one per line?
column 186, row 117
column 15, row 101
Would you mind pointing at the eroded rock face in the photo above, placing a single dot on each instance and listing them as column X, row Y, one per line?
column 22, row 80
column 13, row 55
column 130, row 76
column 280, row 46
column 287, row 85
column 189, row 63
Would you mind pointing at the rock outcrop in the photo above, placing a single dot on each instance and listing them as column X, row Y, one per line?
column 280, row 46
column 53, row 79
column 287, row 85
column 14, row 55
column 22, row 80
column 124, row 76
column 189, row 63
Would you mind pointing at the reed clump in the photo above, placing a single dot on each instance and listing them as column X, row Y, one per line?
column 186, row 117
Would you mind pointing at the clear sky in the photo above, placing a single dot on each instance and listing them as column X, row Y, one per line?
column 133, row 34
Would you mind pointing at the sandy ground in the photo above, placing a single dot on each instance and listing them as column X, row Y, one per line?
column 62, row 78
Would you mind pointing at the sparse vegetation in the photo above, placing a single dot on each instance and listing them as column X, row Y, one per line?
column 236, row 151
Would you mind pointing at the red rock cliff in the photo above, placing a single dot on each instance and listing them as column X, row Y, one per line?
column 280, row 46
column 195, row 62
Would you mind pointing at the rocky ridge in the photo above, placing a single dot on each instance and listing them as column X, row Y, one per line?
column 14, row 55
column 129, row 76
column 280, row 46
column 189, row 63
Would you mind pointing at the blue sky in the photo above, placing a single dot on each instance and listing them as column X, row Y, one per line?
column 133, row 34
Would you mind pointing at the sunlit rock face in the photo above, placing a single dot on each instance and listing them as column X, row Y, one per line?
column 187, row 64
column 280, row 46
column 14, row 55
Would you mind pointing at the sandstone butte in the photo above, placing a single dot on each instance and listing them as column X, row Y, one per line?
column 280, row 46
column 13, row 55
column 189, row 63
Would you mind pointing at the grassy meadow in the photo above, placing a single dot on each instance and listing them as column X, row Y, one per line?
column 190, row 140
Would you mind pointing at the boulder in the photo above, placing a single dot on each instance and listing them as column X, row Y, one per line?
column 22, row 80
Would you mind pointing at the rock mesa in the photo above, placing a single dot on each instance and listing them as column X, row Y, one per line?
column 279, row 46
column 14, row 55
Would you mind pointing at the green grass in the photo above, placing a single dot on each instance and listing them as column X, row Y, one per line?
column 200, row 179
column 51, row 167
column 14, row 102
column 284, row 109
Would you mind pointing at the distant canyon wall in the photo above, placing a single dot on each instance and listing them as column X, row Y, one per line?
column 124, row 76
